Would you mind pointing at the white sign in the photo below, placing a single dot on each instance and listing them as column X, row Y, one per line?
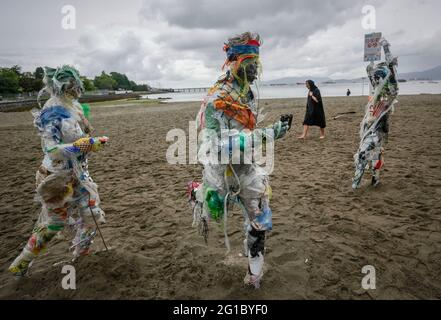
column 372, row 47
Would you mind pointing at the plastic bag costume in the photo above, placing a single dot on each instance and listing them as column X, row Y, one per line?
column 67, row 193
column 374, row 129
column 227, row 120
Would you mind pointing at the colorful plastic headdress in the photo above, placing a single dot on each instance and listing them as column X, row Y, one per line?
column 245, row 44
column 242, row 50
column 61, row 81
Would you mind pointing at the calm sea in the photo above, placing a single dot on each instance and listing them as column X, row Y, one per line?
column 299, row 91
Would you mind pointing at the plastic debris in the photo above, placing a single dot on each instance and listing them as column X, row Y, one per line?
column 65, row 189
column 374, row 129
column 228, row 122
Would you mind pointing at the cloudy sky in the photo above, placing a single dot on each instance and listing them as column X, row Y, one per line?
column 176, row 43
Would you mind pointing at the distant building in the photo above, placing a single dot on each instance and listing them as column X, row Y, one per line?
column 120, row 91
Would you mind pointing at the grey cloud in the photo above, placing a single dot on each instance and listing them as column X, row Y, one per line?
column 126, row 56
column 201, row 27
column 293, row 18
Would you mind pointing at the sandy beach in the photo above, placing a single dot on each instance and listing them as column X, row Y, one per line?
column 324, row 233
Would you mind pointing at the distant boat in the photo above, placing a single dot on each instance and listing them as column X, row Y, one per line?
column 402, row 80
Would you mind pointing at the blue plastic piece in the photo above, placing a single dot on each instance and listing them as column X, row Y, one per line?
column 53, row 113
column 266, row 219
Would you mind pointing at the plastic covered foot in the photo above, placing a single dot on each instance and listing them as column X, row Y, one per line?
column 252, row 280
column 21, row 265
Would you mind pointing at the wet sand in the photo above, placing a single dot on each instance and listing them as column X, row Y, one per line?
column 324, row 233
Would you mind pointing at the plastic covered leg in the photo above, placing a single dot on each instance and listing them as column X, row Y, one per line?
column 42, row 234
column 256, row 247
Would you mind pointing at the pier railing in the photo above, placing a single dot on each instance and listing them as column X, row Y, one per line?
column 190, row 90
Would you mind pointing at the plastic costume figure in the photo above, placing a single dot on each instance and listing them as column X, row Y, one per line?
column 228, row 117
column 374, row 129
column 64, row 186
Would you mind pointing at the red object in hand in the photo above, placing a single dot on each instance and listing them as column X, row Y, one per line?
column 103, row 139
column 191, row 190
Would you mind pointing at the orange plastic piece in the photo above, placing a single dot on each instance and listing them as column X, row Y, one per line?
column 239, row 112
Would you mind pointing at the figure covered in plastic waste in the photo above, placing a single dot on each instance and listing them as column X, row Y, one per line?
column 64, row 188
column 228, row 136
column 374, row 129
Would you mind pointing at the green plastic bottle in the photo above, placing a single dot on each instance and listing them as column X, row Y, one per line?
column 86, row 110
column 215, row 204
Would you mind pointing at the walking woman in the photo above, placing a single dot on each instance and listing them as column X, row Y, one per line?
column 315, row 115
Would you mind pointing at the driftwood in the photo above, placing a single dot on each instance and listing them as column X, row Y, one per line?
column 341, row 115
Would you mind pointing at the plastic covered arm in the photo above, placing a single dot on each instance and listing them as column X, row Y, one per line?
column 255, row 138
column 86, row 145
column 274, row 132
column 81, row 146
column 390, row 59
column 370, row 73
column 392, row 63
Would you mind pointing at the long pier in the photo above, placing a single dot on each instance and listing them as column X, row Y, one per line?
column 191, row 90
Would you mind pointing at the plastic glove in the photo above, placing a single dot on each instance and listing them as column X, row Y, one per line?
column 86, row 145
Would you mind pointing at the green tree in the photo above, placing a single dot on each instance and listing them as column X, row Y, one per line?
column 88, row 84
column 122, row 81
column 16, row 69
column 141, row 87
column 133, row 85
column 38, row 84
column 27, row 82
column 105, row 82
column 9, row 81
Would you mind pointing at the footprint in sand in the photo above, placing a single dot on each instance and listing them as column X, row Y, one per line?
column 285, row 258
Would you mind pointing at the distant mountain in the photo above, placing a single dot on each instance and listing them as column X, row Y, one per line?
column 432, row 74
column 294, row 80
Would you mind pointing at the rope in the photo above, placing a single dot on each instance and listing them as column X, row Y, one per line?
column 97, row 226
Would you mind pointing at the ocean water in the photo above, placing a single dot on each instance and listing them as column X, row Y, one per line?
column 300, row 91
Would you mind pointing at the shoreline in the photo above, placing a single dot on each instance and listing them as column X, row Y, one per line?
column 132, row 102
column 324, row 97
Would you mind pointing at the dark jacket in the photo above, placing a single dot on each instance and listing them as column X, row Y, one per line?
column 315, row 114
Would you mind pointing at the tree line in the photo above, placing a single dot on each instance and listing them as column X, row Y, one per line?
column 14, row 81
